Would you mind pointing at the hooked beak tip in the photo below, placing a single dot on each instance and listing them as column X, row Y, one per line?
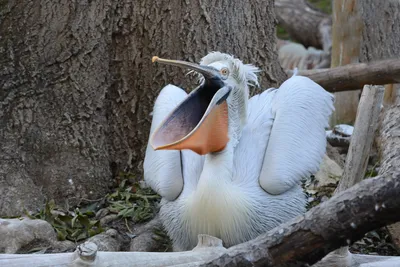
column 151, row 141
column 155, row 147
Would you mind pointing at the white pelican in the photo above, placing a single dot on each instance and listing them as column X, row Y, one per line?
column 229, row 166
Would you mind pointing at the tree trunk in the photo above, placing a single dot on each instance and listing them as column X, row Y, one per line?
column 346, row 36
column 381, row 39
column 77, row 84
column 304, row 23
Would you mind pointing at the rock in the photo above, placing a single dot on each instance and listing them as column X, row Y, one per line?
column 334, row 154
column 108, row 241
column 143, row 237
column 324, row 198
column 337, row 140
column 86, row 253
column 23, row 234
column 102, row 213
column 394, row 230
column 109, row 218
column 329, row 173
column 340, row 135
column 343, row 130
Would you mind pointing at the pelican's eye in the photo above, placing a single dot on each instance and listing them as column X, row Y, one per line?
column 224, row 72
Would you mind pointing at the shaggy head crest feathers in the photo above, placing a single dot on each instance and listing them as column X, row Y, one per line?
column 243, row 73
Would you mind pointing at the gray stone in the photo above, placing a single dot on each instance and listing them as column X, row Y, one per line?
column 109, row 218
column 329, row 172
column 108, row 241
column 17, row 234
column 337, row 140
column 143, row 237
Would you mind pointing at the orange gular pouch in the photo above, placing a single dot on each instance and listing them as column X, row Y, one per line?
column 199, row 123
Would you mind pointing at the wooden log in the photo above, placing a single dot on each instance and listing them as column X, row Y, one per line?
column 87, row 255
column 363, row 136
column 355, row 76
column 341, row 220
column 389, row 150
column 357, row 157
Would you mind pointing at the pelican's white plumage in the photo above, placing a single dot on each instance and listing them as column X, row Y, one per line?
column 253, row 185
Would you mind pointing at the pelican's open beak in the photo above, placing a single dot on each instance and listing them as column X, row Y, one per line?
column 200, row 122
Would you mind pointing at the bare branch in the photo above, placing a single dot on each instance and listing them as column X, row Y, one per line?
column 355, row 76
column 363, row 136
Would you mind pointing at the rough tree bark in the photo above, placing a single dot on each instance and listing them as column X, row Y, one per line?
column 389, row 150
column 304, row 23
column 77, row 84
column 381, row 39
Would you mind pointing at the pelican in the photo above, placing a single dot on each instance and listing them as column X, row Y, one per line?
column 229, row 166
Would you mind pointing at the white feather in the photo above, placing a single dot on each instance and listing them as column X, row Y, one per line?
column 301, row 110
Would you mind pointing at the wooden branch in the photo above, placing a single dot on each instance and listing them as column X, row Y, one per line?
column 87, row 255
column 355, row 76
column 388, row 143
column 363, row 136
column 341, row 220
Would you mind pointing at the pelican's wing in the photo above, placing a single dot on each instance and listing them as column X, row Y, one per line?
column 288, row 125
column 163, row 168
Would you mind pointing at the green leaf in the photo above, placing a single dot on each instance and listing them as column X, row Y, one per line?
column 65, row 218
column 90, row 210
column 122, row 184
column 94, row 223
column 84, row 220
column 76, row 233
column 82, row 236
column 375, row 234
column 73, row 221
column 26, row 212
column 61, row 234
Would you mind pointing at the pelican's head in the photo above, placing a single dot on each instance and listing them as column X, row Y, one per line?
column 212, row 114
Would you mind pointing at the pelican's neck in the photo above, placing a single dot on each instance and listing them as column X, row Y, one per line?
column 218, row 166
column 218, row 169
column 237, row 112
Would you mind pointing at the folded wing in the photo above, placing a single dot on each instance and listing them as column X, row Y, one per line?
column 284, row 139
column 301, row 110
column 163, row 168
